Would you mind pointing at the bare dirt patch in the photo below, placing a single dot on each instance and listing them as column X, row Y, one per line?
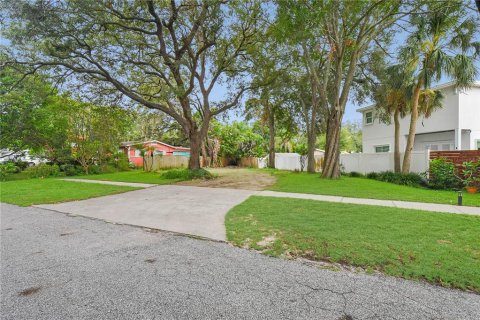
column 267, row 241
column 235, row 178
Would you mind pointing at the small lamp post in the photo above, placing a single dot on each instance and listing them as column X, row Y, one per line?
column 460, row 198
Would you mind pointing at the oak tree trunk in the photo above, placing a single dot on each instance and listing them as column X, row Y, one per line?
column 271, row 141
column 195, row 146
column 407, row 158
column 331, row 168
column 312, row 139
column 205, row 156
column 396, row 154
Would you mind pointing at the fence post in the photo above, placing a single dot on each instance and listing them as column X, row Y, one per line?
column 427, row 165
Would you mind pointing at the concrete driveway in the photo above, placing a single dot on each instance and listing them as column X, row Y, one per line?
column 184, row 209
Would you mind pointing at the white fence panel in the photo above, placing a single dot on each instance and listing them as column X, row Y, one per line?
column 377, row 162
column 420, row 161
column 262, row 162
column 289, row 161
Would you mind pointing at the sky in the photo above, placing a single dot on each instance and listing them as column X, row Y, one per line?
column 351, row 115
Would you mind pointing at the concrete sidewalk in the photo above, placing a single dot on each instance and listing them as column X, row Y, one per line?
column 114, row 183
column 374, row 202
column 435, row 207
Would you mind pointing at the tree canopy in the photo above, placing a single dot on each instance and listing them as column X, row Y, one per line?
column 179, row 67
column 163, row 55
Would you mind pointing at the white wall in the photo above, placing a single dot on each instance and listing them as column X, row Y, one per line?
column 469, row 116
column 438, row 139
column 378, row 162
column 444, row 119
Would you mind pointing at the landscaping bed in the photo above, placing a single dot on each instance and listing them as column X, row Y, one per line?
column 159, row 177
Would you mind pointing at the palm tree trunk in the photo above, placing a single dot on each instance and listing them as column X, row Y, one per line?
column 407, row 158
column 396, row 155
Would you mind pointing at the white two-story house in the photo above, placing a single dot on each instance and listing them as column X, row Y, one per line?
column 456, row 126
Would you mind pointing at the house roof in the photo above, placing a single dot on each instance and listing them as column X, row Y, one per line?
column 437, row 87
column 131, row 143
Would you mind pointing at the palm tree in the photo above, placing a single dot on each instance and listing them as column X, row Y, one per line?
column 391, row 98
column 429, row 101
column 440, row 44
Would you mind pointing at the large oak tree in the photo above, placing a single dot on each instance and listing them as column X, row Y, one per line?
column 332, row 37
column 164, row 55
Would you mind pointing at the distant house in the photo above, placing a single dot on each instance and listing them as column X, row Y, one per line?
column 456, row 126
column 130, row 148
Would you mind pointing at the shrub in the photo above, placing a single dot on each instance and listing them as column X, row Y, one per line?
column 71, row 169
column 43, row 170
column 187, row 174
column 21, row 165
column 355, row 174
column 372, row 175
column 119, row 161
column 7, row 169
column 470, row 173
column 406, row 179
column 95, row 169
column 442, row 175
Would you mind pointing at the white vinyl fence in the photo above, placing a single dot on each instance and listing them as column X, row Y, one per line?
column 377, row 162
column 290, row 161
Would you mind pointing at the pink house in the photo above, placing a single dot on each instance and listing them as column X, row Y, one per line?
column 154, row 146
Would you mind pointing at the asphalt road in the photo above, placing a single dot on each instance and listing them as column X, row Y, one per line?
column 58, row 267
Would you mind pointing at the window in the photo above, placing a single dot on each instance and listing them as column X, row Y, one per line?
column 446, row 147
column 158, row 153
column 384, row 148
column 138, row 153
column 431, row 147
column 369, row 117
column 478, row 144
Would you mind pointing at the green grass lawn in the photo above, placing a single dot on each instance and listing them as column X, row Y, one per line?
column 438, row 247
column 365, row 188
column 41, row 191
column 130, row 176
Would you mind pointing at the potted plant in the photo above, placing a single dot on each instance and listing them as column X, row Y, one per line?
column 472, row 185
column 471, row 176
